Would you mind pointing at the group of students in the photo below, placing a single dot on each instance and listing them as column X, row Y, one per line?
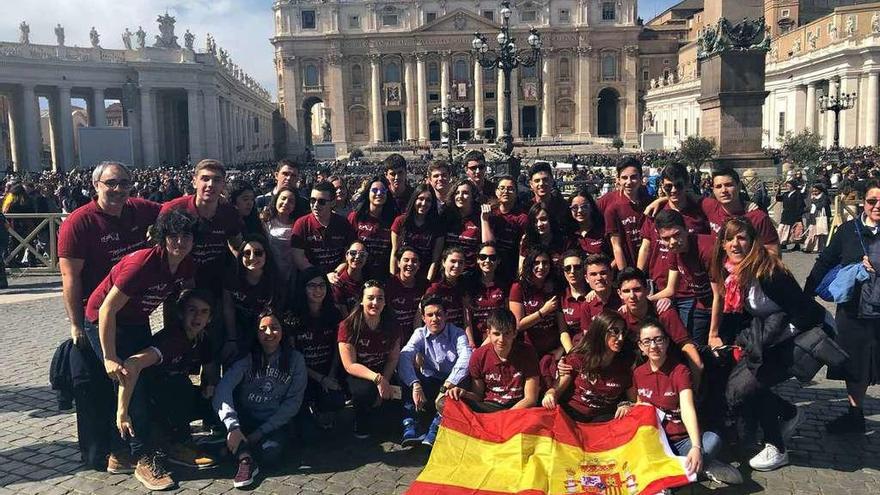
column 445, row 290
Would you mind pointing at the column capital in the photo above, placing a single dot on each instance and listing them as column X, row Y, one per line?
column 375, row 57
column 421, row 56
column 445, row 54
column 334, row 58
column 584, row 51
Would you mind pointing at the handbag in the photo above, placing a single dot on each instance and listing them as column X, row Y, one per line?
column 823, row 289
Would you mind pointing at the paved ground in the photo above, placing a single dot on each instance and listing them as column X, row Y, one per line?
column 38, row 452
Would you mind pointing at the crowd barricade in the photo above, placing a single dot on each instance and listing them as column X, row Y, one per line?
column 36, row 234
column 845, row 208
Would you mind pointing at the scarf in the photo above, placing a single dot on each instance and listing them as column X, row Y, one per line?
column 733, row 297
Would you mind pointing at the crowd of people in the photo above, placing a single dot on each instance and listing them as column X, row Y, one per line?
column 292, row 301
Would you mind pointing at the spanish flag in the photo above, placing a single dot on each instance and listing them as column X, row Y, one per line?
column 540, row 452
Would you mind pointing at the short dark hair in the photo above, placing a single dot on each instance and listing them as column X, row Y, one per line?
column 668, row 219
column 325, row 187
column 197, row 293
column 394, row 161
column 675, row 172
column 174, row 222
column 509, row 177
column 539, row 167
column 431, row 300
column 725, row 171
column 405, row 248
column 286, row 162
column 626, row 162
column 437, row 165
column 572, row 253
column 501, row 319
column 475, row 156
column 631, row 273
column 598, row 259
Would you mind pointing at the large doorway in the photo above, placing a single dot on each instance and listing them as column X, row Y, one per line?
column 393, row 126
column 607, row 112
column 491, row 128
column 312, row 120
column 529, row 121
column 434, row 130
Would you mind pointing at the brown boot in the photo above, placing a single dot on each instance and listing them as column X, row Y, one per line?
column 120, row 463
column 151, row 472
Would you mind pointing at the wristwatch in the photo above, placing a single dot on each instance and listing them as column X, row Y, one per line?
column 443, row 389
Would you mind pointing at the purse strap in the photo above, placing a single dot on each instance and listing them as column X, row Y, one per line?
column 859, row 231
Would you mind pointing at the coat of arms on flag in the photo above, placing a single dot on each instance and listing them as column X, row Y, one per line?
column 541, row 452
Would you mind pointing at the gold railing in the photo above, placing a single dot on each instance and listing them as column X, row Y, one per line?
column 43, row 248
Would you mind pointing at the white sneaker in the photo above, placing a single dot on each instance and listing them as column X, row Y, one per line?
column 720, row 472
column 769, row 459
column 789, row 427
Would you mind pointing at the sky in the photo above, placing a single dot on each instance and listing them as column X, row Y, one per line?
column 242, row 27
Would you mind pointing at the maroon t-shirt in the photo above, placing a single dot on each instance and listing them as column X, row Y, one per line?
column 717, row 216
column 599, row 394
column 592, row 241
column 606, row 199
column 670, row 320
column 508, row 229
column 466, row 235
column 487, row 299
column 347, row 290
column 404, row 304
column 421, row 239
column 324, row 246
column 210, row 253
column 694, row 218
column 101, row 240
column 659, row 258
column 144, row 277
column 505, row 380
column 693, row 270
column 453, row 301
column 181, row 356
column 376, row 237
column 315, row 339
column 572, row 311
column 662, row 388
column 544, row 335
column 372, row 347
column 624, row 218
column 249, row 300
column 593, row 308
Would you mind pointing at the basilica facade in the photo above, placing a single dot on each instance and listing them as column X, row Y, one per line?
column 372, row 72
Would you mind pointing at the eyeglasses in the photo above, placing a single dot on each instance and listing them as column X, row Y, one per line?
column 872, row 201
column 319, row 201
column 504, row 189
column 572, row 268
column 657, row 341
column 579, row 208
column 474, row 168
column 378, row 191
column 355, row 253
column 487, row 257
column 676, row 185
column 258, row 253
column 117, row 184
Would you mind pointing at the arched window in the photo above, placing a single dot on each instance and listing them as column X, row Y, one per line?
column 609, row 67
column 392, row 72
column 529, row 72
column 359, row 122
column 311, row 78
column 564, row 116
column 564, row 69
column 357, row 76
column 460, row 71
column 433, row 73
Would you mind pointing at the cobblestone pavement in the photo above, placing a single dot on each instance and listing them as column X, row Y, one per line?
column 38, row 451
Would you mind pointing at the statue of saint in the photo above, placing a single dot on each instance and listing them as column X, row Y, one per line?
column 95, row 37
column 24, row 35
column 188, row 40
column 59, row 35
column 141, row 37
column 126, row 39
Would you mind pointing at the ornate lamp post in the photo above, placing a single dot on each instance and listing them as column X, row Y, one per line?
column 836, row 103
column 453, row 116
column 507, row 57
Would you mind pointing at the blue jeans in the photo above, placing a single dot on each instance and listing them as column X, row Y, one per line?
column 711, row 446
column 129, row 340
column 696, row 320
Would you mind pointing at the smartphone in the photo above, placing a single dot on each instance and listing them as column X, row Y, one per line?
column 396, row 392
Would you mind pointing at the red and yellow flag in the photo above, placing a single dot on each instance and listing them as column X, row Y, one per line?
column 540, row 452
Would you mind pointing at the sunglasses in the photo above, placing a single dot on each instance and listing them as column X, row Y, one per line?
column 354, row 253
column 476, row 167
column 504, row 189
column 572, row 268
column 319, row 201
column 258, row 253
column 378, row 191
column 117, row 184
column 872, row 201
column 489, row 257
column 675, row 185
column 657, row 341
column 579, row 208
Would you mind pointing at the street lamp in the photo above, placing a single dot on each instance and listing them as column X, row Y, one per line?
column 506, row 57
column 453, row 116
column 836, row 103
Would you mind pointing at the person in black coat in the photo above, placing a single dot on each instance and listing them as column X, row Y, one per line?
column 855, row 241
column 792, row 209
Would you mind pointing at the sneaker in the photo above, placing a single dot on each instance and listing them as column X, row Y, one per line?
column 247, row 471
column 769, row 459
column 432, row 432
column 720, row 472
column 187, row 455
column 853, row 421
column 151, row 472
column 410, row 434
column 789, row 426
column 360, row 430
column 120, row 463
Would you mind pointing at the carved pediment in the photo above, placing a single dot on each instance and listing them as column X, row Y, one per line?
column 459, row 21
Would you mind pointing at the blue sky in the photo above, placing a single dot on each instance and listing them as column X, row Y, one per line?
column 243, row 27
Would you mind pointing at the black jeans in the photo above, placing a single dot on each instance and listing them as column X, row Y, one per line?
column 769, row 409
column 363, row 395
column 176, row 403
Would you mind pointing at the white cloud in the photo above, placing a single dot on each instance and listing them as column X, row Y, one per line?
column 242, row 27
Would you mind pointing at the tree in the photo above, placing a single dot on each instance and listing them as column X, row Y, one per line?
column 803, row 148
column 617, row 143
column 695, row 150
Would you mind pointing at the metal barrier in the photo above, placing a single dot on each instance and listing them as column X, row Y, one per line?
column 43, row 248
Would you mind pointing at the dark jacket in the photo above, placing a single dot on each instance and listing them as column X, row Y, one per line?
column 797, row 303
column 60, row 376
column 823, row 208
column 792, row 206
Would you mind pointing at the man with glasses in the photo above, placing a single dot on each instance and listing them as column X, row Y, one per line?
column 475, row 169
column 395, row 174
column 286, row 178
column 322, row 237
column 91, row 241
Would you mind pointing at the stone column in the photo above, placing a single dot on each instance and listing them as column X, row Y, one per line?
column 98, row 113
column 833, row 90
column 30, row 117
column 337, row 102
column 423, row 97
column 500, row 104
column 799, row 113
column 871, row 120
column 12, row 116
column 849, row 119
column 212, row 143
column 514, row 104
column 148, row 128
column 478, row 96
column 631, row 115
column 375, row 100
column 64, row 137
column 584, row 97
column 444, row 88
column 194, row 112
column 547, row 103
column 811, row 107
column 411, row 92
